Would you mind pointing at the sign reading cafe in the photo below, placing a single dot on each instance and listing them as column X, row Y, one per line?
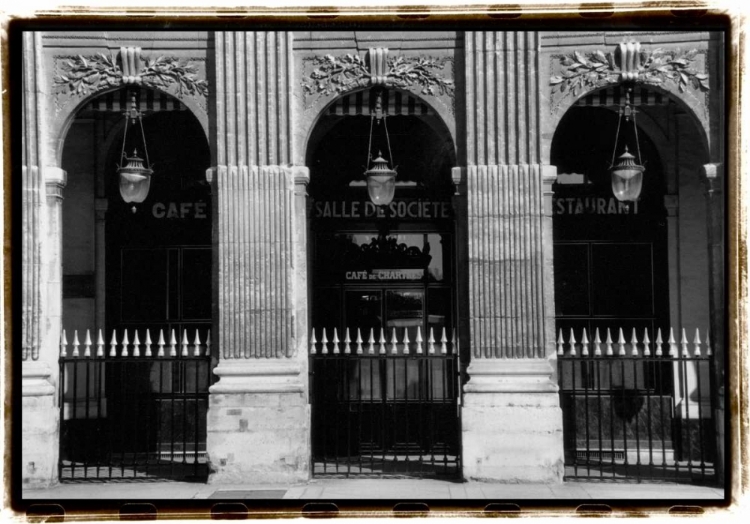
column 396, row 209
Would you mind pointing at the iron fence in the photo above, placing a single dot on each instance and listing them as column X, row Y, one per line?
column 637, row 410
column 385, row 408
column 134, row 410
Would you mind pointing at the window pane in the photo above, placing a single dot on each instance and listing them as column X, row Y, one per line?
column 571, row 280
column 622, row 280
column 144, row 285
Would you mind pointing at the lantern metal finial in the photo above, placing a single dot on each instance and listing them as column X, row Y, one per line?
column 381, row 179
column 626, row 174
column 135, row 176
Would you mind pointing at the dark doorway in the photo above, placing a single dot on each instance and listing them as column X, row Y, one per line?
column 384, row 365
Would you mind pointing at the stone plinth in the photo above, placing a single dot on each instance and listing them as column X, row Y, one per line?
column 39, row 426
column 512, row 422
column 258, row 423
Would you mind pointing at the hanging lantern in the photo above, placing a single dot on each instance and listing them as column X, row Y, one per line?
column 627, row 174
column 381, row 179
column 381, row 182
column 135, row 176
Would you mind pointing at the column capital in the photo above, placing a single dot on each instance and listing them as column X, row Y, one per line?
column 101, row 205
column 55, row 180
column 35, row 379
column 714, row 175
column 301, row 175
column 672, row 205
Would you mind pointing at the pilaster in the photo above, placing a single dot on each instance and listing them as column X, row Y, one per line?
column 511, row 416
column 258, row 417
column 714, row 180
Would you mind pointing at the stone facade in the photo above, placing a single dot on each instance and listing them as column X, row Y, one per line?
column 500, row 97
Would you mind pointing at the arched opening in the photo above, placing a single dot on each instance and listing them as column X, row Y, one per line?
column 626, row 274
column 383, row 285
column 133, row 274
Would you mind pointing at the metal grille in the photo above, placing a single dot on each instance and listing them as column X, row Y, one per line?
column 637, row 410
column 138, row 412
column 385, row 409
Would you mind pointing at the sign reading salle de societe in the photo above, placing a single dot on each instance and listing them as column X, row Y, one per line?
column 396, row 209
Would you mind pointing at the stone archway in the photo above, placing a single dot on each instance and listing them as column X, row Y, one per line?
column 390, row 271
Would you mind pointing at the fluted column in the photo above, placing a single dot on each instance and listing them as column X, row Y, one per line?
column 512, row 422
column 715, row 213
column 258, row 420
column 41, row 267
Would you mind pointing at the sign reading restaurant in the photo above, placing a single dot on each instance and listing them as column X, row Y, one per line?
column 593, row 206
column 396, row 209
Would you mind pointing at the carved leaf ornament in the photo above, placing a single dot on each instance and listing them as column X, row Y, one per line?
column 84, row 75
column 335, row 75
column 580, row 73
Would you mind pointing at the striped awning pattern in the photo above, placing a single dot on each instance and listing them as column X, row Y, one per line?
column 614, row 96
column 394, row 103
column 147, row 100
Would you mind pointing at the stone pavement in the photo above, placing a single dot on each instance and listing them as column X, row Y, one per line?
column 377, row 489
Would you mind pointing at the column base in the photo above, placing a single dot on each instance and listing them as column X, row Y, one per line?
column 258, row 423
column 512, row 423
column 40, row 427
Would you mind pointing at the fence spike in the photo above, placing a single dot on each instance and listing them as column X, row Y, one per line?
column 335, row 341
column 324, row 343
column 597, row 344
column 113, row 344
column 172, row 345
column 634, row 344
column 359, row 342
column 454, row 343
column 371, row 342
column 148, row 343
column 63, row 344
column 585, row 343
column 197, row 344
column 659, row 343
column 313, row 341
column 394, row 342
column 672, row 343
column 431, row 343
column 608, row 342
column 444, row 343
column 208, row 343
column 125, row 342
column 75, row 343
column 418, row 340
column 560, row 342
column 100, row 344
column 572, row 342
column 684, row 344
column 161, row 343
column 708, row 343
column 87, row 345
column 136, row 344
column 382, row 342
column 184, row 343
column 406, row 341
column 697, row 343
column 621, row 344
column 347, row 342
column 646, row 343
